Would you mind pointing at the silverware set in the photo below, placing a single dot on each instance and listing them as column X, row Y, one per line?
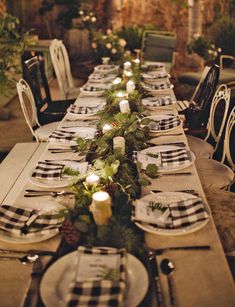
column 39, row 193
column 167, row 268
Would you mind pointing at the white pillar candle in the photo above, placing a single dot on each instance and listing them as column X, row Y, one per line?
column 130, row 86
column 106, row 128
column 101, row 207
column 127, row 65
column 124, row 106
column 92, row 179
column 119, row 142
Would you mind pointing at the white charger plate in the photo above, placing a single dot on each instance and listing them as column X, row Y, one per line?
column 160, row 117
column 175, row 196
column 55, row 282
column 169, row 169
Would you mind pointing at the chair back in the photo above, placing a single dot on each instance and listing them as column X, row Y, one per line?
column 25, row 95
column 229, row 148
column 61, row 66
column 158, row 46
column 34, row 74
column 218, row 114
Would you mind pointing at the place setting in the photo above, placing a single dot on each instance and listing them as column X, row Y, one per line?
column 161, row 123
column 115, row 274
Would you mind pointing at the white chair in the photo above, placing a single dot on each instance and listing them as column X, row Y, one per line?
column 30, row 113
column 214, row 174
column 60, row 60
column 200, row 147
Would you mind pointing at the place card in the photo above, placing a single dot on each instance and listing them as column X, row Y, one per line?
column 91, row 267
column 151, row 211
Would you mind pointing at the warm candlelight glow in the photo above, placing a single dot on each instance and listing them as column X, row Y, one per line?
column 137, row 61
column 105, row 60
column 130, row 86
column 117, row 81
column 120, row 94
column 106, row 128
column 124, row 106
column 127, row 65
column 119, row 142
column 92, row 179
column 128, row 73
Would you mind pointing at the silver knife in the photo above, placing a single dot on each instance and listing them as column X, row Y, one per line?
column 155, row 275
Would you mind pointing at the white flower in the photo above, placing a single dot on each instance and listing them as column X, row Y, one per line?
column 104, row 36
column 109, row 31
column 122, row 42
column 114, row 50
column 108, row 45
column 93, row 19
column 81, row 13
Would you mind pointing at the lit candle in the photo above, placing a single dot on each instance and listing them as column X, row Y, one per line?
column 119, row 142
column 124, row 106
column 117, row 81
column 137, row 61
column 120, row 94
column 130, row 86
column 106, row 128
column 92, row 179
column 101, row 207
column 128, row 73
column 127, row 65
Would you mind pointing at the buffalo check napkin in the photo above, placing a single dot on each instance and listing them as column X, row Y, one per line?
column 177, row 214
column 155, row 75
column 21, row 221
column 84, row 110
column 54, row 171
column 100, row 278
column 174, row 157
column 157, row 86
column 164, row 124
column 157, row 101
column 68, row 136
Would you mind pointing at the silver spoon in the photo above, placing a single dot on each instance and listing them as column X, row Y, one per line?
column 30, row 258
column 167, row 268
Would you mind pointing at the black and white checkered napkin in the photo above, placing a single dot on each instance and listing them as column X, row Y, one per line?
column 181, row 214
column 174, row 157
column 155, row 75
column 84, row 110
column 62, row 136
column 21, row 221
column 157, row 86
column 47, row 170
column 157, row 101
column 164, row 124
column 102, row 292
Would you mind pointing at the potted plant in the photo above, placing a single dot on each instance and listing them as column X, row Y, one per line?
column 13, row 41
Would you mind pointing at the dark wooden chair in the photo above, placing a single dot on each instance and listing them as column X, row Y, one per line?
column 47, row 110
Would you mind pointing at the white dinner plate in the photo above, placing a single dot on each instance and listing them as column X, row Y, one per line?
column 160, row 117
column 170, row 168
column 24, row 239
column 106, row 68
column 55, row 282
column 175, row 196
column 149, row 101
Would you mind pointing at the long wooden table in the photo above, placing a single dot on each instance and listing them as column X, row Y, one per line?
column 201, row 278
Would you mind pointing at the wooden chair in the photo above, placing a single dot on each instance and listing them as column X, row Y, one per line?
column 62, row 70
column 215, row 126
column 47, row 110
column 40, row 133
column 159, row 46
column 214, row 174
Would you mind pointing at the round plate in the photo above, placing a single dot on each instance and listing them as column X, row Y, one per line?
column 147, row 101
column 169, row 169
column 160, row 117
column 106, row 68
column 91, row 93
column 55, row 282
column 175, row 196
